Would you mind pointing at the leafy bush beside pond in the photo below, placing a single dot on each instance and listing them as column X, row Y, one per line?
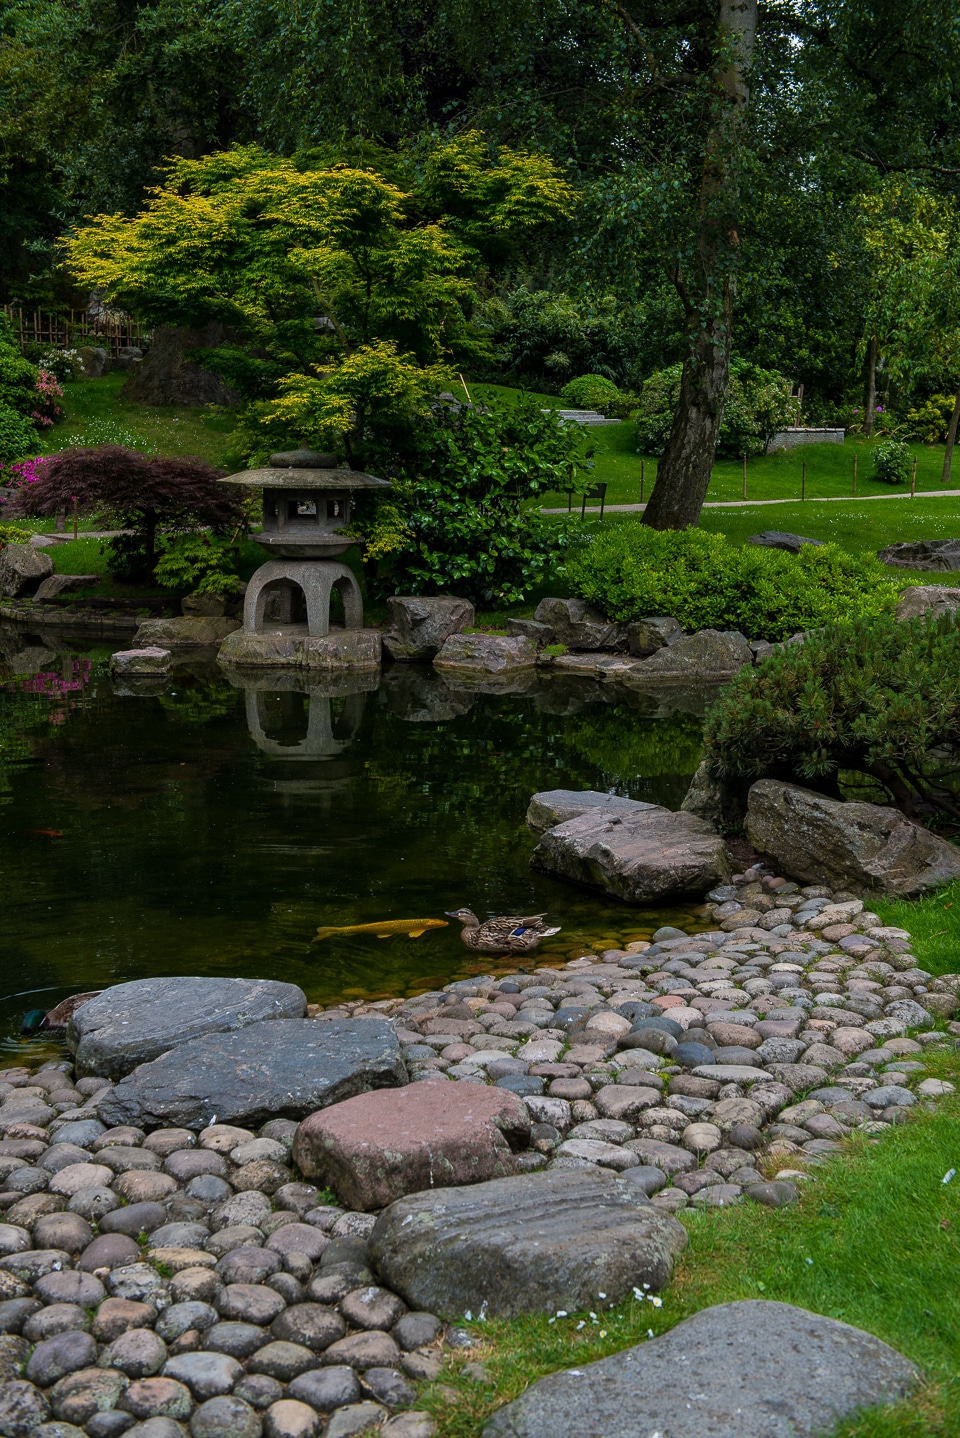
column 629, row 572
column 873, row 698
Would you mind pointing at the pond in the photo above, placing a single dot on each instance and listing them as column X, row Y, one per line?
column 201, row 826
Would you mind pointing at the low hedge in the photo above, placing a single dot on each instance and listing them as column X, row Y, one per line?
column 629, row 572
column 872, row 698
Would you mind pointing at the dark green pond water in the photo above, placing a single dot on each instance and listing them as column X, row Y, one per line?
column 203, row 828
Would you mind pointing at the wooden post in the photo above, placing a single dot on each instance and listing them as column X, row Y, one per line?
column 643, row 466
column 913, row 478
column 744, row 474
column 803, row 480
column 854, row 476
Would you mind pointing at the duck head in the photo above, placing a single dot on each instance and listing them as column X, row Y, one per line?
column 466, row 916
column 32, row 1022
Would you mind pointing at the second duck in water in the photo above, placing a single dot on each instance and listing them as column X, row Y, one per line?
column 509, row 935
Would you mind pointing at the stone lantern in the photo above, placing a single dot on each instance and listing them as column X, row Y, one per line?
column 307, row 505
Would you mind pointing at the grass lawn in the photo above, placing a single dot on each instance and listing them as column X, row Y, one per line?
column 860, row 528
column 775, row 476
column 96, row 414
column 934, row 925
column 873, row 1241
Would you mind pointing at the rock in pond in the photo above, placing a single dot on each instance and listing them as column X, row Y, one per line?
column 141, row 661
column 375, row 1148
column 782, row 539
column 639, row 857
column 530, row 1244
column 857, row 845
column 185, row 632
column 578, row 626
column 707, row 655
column 496, row 654
column 354, row 649
column 132, row 1023
column 284, row 1068
column 56, row 584
column 22, row 569
column 417, row 626
column 555, row 806
column 931, row 599
column 941, row 554
column 646, row 636
column 751, row 1369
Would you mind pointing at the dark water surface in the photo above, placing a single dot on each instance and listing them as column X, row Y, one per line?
column 203, row 828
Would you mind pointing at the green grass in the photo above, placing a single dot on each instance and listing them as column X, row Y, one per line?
column 859, row 528
column 775, row 476
column 873, row 1241
column 96, row 414
column 933, row 923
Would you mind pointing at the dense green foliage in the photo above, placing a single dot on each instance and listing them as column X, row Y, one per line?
column 758, row 404
column 459, row 519
column 593, row 391
column 701, row 579
column 891, row 462
column 198, row 562
column 873, row 698
column 18, row 437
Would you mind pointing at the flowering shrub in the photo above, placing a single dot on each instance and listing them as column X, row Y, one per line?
column 891, row 462
column 64, row 365
column 48, row 390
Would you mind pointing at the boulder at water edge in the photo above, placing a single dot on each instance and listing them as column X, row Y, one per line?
column 556, row 806
column 576, row 625
column 493, row 654
column 708, row 655
column 185, row 632
column 530, row 1244
column 639, row 857
column 284, row 1068
column 417, row 626
column 132, row 1023
column 378, row 1147
column 856, row 846
column 22, row 569
column 740, row 1370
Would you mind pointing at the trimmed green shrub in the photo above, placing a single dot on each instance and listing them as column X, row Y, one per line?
column 891, row 462
column 705, row 582
column 758, row 404
column 18, row 437
column 14, row 534
column 931, row 420
column 872, row 698
column 593, row 391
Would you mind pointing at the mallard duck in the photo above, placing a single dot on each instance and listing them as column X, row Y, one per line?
column 509, row 935
column 55, row 1020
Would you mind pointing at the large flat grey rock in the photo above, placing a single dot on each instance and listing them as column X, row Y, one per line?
column 556, row 806
column 133, row 1023
column 638, row 856
column 856, row 845
column 739, row 1370
column 530, row 1244
column 284, row 1068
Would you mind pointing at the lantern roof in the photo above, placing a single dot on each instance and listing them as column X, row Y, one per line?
column 303, row 469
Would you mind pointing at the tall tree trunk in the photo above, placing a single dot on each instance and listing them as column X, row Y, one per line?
column 707, row 287
column 951, row 440
column 870, row 386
